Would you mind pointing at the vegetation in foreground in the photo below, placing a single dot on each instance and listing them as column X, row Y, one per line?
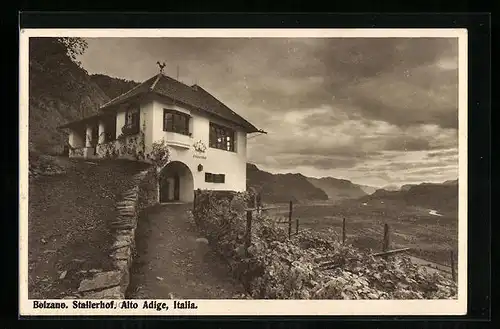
column 309, row 265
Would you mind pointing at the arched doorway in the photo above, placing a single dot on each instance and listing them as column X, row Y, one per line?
column 176, row 183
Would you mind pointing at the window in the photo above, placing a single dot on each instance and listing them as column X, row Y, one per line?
column 220, row 178
column 132, row 120
column 176, row 122
column 215, row 178
column 221, row 137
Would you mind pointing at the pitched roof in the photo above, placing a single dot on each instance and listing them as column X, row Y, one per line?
column 194, row 96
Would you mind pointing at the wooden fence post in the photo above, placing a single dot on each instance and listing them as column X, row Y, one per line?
column 290, row 220
column 387, row 243
column 343, row 230
column 248, row 238
column 297, row 225
column 452, row 259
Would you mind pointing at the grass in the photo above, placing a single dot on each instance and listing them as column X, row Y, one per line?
column 430, row 237
column 67, row 228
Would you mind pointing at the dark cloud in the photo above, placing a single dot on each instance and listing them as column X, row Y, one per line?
column 353, row 59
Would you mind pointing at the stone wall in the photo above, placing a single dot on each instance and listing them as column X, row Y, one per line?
column 113, row 284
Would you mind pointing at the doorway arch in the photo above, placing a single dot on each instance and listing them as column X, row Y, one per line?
column 176, row 183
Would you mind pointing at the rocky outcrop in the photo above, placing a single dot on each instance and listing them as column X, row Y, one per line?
column 113, row 284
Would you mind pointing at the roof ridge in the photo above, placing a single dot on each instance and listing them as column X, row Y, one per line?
column 156, row 81
column 125, row 93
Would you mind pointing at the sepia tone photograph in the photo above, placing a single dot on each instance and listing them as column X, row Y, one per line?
column 243, row 168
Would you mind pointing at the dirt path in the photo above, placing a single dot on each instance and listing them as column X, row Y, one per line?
column 171, row 264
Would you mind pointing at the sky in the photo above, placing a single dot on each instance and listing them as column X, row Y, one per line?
column 376, row 111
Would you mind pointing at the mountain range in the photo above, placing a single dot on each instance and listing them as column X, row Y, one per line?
column 278, row 188
column 338, row 189
column 440, row 196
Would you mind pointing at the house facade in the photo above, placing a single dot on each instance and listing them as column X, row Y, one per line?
column 207, row 141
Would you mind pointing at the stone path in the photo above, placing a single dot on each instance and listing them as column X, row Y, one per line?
column 172, row 264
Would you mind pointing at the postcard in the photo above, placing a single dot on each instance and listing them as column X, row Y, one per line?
column 168, row 172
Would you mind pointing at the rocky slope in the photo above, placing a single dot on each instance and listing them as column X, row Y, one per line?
column 59, row 91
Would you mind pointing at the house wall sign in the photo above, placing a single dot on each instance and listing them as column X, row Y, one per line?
column 200, row 148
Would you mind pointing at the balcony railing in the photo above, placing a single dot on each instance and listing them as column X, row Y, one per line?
column 177, row 139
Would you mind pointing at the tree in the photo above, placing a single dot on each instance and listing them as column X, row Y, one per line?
column 74, row 47
column 53, row 51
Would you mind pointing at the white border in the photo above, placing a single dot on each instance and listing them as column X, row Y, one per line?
column 254, row 307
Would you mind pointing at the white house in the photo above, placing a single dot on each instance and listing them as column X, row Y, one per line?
column 206, row 139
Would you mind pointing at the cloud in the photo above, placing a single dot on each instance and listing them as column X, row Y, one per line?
column 453, row 152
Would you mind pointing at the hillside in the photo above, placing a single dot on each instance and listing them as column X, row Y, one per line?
column 277, row 188
column 441, row 196
column 67, row 228
column 338, row 189
column 113, row 87
column 59, row 91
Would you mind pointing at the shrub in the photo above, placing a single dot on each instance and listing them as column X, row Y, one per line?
column 159, row 155
column 309, row 265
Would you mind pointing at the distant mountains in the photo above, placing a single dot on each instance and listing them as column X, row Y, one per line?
column 277, row 188
column 438, row 196
column 338, row 189
column 391, row 188
column 368, row 189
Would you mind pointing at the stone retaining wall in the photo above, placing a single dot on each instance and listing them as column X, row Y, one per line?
column 113, row 284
